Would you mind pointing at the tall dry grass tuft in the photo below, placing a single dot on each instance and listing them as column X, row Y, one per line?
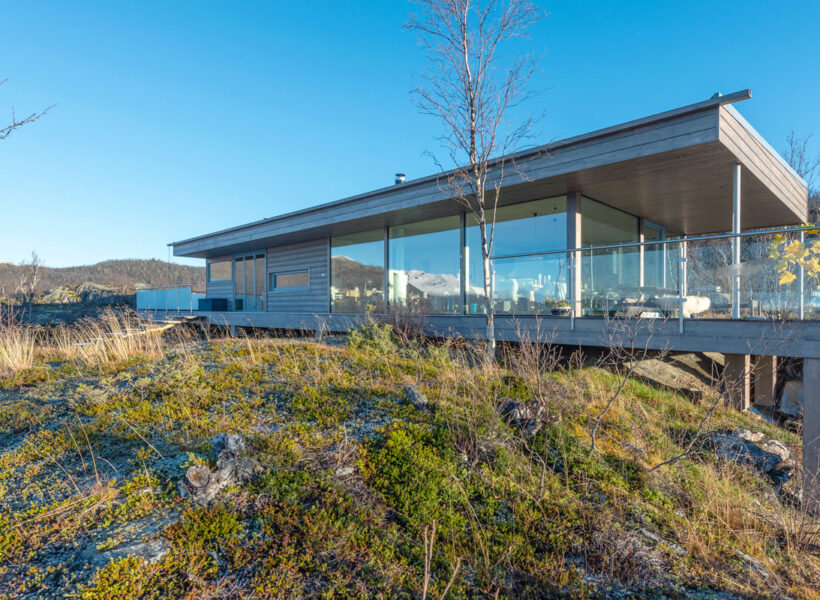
column 113, row 337
column 18, row 347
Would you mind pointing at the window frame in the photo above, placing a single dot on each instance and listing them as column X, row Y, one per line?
column 294, row 288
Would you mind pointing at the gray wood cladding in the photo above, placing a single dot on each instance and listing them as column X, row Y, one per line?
column 312, row 256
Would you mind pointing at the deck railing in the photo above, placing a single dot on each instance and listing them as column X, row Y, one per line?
column 754, row 274
column 175, row 299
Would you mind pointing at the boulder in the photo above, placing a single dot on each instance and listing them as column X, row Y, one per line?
column 769, row 456
column 791, row 399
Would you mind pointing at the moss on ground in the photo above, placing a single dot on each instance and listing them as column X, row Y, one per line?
column 352, row 476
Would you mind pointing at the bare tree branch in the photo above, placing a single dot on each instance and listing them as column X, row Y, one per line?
column 17, row 123
column 471, row 89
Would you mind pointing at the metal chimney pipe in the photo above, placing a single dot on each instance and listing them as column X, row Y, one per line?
column 399, row 178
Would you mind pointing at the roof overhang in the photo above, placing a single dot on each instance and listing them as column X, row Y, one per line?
column 674, row 168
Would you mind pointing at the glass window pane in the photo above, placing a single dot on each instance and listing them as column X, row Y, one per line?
column 425, row 269
column 357, row 272
column 529, row 285
column 298, row 279
column 239, row 278
column 260, row 282
column 537, row 226
column 219, row 270
column 611, row 277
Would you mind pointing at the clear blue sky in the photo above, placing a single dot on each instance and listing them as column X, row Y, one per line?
column 179, row 118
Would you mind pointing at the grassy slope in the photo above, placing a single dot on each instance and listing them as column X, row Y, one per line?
column 91, row 456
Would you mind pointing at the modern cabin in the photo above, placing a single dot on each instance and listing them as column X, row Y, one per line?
column 667, row 219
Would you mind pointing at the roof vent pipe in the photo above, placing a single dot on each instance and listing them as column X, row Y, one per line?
column 399, row 178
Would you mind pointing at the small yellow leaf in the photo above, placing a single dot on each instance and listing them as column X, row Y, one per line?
column 787, row 277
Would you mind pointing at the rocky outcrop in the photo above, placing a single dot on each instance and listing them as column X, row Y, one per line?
column 767, row 455
column 202, row 484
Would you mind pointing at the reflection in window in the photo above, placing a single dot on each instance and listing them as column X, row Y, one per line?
column 424, row 266
column 526, row 285
column 219, row 270
column 290, row 281
column 611, row 277
column 249, row 282
column 357, row 272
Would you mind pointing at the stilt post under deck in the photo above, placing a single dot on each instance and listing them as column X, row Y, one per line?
column 811, row 432
column 736, row 242
column 737, row 379
column 765, row 380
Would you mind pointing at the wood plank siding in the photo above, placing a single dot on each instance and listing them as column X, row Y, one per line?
column 313, row 256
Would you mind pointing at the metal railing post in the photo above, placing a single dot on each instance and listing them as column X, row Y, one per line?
column 802, row 280
column 681, row 267
column 572, row 271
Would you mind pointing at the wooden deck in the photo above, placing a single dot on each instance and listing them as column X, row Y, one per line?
column 743, row 336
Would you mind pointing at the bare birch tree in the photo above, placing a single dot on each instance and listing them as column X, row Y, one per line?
column 472, row 89
column 6, row 130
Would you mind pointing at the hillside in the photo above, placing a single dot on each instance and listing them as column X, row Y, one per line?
column 120, row 274
column 280, row 468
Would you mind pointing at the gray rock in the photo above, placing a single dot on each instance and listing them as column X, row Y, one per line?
column 416, row 398
column 345, row 471
column 527, row 418
column 151, row 551
column 767, row 455
column 791, row 399
column 751, row 563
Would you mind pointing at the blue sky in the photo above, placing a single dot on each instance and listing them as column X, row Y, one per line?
column 178, row 118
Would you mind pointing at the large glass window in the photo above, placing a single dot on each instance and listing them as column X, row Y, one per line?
column 424, row 272
column 523, row 285
column 249, row 282
column 219, row 270
column 357, row 272
column 611, row 277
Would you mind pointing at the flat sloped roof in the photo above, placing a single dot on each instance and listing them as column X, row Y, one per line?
column 673, row 168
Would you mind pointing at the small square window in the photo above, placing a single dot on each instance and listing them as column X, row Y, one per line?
column 294, row 280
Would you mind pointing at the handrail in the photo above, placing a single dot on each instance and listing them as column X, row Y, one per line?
column 166, row 287
column 717, row 236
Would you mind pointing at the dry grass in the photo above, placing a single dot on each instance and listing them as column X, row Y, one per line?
column 114, row 337
column 18, row 348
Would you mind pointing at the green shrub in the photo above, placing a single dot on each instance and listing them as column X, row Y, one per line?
column 122, row 579
column 373, row 337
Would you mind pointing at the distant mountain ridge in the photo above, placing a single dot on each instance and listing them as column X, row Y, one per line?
column 125, row 274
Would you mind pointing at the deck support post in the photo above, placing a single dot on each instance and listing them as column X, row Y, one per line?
column 737, row 380
column 811, row 432
column 736, row 241
column 232, row 330
column 574, row 241
column 765, row 380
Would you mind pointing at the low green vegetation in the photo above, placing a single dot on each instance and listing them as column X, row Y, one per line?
column 352, row 477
